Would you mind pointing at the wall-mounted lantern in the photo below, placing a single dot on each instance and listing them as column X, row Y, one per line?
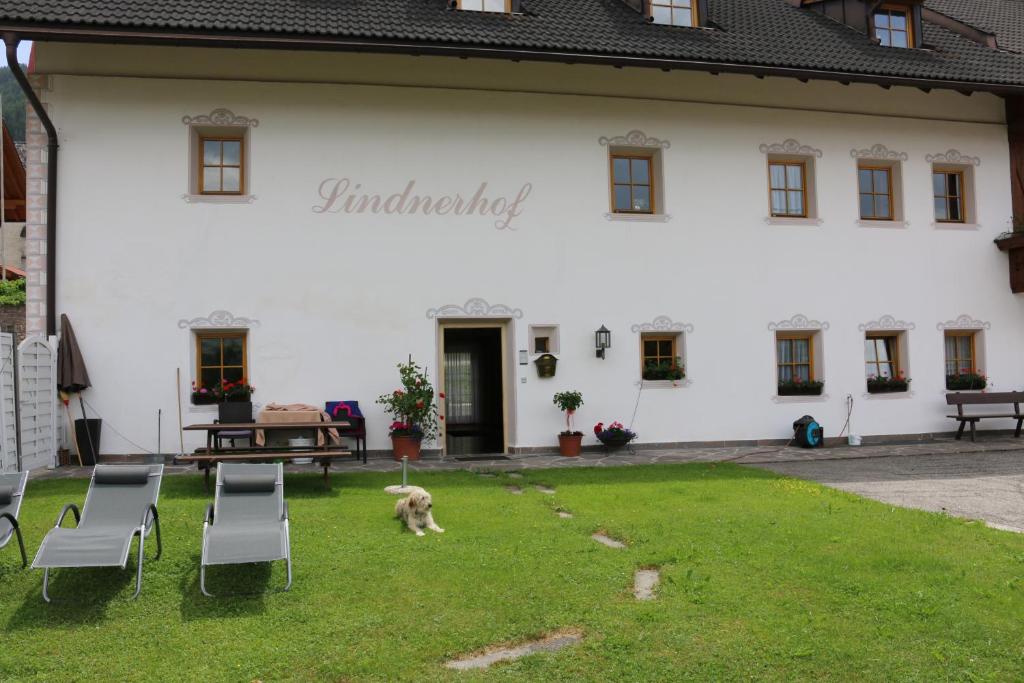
column 602, row 340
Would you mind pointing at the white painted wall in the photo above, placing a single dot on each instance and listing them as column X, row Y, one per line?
column 342, row 298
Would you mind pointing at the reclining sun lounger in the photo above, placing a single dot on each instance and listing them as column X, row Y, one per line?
column 12, row 490
column 248, row 519
column 120, row 504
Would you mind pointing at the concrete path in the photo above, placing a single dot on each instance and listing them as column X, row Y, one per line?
column 987, row 486
column 746, row 455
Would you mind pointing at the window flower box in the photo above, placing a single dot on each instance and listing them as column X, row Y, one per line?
column 801, row 388
column 888, row 385
column 227, row 392
column 671, row 370
column 967, row 381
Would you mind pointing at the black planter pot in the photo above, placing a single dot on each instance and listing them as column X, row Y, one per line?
column 88, row 439
column 614, row 443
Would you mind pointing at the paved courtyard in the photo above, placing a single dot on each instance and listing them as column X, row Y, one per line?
column 982, row 480
column 987, row 486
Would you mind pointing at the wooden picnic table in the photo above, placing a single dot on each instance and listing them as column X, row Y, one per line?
column 206, row 457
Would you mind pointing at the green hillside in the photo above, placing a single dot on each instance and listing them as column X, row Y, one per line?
column 13, row 104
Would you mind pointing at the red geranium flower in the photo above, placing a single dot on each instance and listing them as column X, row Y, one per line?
column 599, row 427
column 440, row 394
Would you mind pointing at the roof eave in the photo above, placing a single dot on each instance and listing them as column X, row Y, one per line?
column 119, row 35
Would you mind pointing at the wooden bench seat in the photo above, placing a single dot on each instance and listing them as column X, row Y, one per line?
column 1005, row 398
column 206, row 459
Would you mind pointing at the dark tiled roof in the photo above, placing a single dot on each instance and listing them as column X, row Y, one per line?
column 1004, row 18
column 751, row 33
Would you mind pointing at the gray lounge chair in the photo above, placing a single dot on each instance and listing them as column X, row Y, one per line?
column 120, row 504
column 12, row 490
column 247, row 520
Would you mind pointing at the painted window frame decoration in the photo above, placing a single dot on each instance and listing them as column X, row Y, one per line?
column 637, row 145
column 972, row 377
column 665, row 12
column 220, row 125
column 887, row 327
column 885, row 29
column 785, row 333
column 664, row 329
column 788, row 154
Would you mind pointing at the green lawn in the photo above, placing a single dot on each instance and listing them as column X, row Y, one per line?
column 763, row 578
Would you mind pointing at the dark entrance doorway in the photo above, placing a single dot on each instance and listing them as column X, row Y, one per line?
column 474, row 412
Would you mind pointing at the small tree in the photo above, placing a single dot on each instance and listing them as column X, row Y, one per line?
column 568, row 402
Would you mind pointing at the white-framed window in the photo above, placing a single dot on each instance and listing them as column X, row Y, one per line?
column 544, row 339
column 485, row 5
column 674, row 12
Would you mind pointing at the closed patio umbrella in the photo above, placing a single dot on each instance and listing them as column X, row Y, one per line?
column 72, row 376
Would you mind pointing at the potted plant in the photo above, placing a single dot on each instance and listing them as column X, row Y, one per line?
column 888, row 385
column 800, row 387
column 569, row 441
column 1012, row 242
column 413, row 410
column 666, row 369
column 967, row 381
column 614, row 436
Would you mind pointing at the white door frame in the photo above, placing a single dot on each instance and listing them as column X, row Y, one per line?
column 507, row 369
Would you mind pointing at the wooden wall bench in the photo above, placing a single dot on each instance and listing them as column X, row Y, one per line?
column 1005, row 398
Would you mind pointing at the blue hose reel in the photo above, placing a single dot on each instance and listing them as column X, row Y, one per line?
column 808, row 433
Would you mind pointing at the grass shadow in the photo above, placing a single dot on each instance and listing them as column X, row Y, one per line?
column 239, row 590
column 80, row 596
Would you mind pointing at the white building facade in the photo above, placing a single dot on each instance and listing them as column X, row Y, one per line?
column 387, row 200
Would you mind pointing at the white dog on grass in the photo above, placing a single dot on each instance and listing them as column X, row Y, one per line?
column 415, row 509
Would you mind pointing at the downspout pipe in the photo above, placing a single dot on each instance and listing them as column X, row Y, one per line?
column 11, row 41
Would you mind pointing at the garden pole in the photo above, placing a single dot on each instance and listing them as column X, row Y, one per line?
column 405, row 471
column 181, row 433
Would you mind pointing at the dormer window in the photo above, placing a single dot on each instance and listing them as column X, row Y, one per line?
column 893, row 26
column 674, row 12
column 486, row 5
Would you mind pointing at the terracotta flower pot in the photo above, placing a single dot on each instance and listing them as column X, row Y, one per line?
column 408, row 446
column 570, row 445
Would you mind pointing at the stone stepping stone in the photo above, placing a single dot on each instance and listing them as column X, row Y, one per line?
column 564, row 515
column 514, row 475
column 644, row 583
column 608, row 541
column 545, row 489
column 486, row 475
column 514, row 490
column 552, row 643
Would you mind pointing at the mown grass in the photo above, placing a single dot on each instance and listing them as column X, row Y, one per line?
column 762, row 578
